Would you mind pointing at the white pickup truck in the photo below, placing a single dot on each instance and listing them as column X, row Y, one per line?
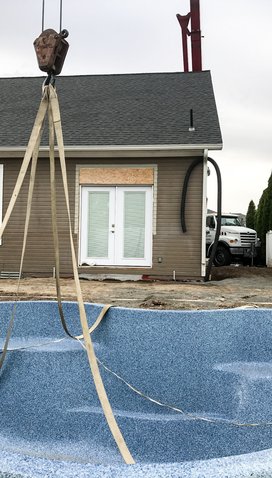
column 236, row 242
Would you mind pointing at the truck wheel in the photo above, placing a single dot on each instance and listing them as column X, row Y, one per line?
column 222, row 257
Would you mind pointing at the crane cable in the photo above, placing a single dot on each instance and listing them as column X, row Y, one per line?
column 49, row 104
column 60, row 15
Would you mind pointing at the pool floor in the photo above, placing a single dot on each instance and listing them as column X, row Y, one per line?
column 214, row 366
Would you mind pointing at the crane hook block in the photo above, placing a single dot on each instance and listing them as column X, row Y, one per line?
column 51, row 49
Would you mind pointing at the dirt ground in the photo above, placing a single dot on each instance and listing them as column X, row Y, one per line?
column 233, row 286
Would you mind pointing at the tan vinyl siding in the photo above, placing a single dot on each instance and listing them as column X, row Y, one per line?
column 39, row 256
column 179, row 252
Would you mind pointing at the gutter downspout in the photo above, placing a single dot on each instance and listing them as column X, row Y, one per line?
column 204, row 212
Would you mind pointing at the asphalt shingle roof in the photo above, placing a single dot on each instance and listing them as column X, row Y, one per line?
column 126, row 109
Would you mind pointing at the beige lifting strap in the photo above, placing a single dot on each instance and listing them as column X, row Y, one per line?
column 34, row 153
column 56, row 238
column 50, row 103
column 54, row 222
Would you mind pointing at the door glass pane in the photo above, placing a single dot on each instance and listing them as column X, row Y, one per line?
column 98, row 224
column 134, row 224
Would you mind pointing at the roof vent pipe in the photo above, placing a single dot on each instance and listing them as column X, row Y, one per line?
column 191, row 127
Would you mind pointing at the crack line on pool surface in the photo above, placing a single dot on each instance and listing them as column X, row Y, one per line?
column 192, row 416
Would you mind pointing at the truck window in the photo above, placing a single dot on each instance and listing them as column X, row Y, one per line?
column 230, row 221
column 210, row 222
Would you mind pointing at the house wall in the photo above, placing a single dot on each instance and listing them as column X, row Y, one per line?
column 172, row 250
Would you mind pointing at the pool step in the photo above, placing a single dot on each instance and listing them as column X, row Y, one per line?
column 246, row 390
column 239, row 391
column 56, row 403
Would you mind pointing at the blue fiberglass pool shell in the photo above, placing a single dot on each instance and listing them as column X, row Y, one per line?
column 215, row 366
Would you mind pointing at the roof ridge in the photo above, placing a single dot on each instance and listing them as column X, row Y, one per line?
column 109, row 75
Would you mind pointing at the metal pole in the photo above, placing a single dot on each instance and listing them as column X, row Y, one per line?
column 196, row 36
column 43, row 15
column 60, row 16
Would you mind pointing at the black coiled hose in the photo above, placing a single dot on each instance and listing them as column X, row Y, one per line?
column 219, row 208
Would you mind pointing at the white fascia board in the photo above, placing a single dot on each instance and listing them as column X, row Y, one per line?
column 117, row 151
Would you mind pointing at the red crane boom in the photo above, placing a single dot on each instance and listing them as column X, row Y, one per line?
column 195, row 34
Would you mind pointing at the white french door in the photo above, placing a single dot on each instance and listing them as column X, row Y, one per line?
column 116, row 226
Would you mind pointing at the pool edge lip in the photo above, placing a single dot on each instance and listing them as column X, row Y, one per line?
column 142, row 309
column 249, row 465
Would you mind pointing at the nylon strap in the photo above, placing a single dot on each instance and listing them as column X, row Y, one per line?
column 97, row 322
column 28, row 212
column 36, row 131
column 54, row 220
column 117, row 435
column 56, row 238
column 50, row 103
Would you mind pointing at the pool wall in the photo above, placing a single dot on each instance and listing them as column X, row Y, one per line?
column 215, row 365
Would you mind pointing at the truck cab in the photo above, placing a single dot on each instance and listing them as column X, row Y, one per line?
column 237, row 243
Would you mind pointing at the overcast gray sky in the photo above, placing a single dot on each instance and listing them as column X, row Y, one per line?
column 125, row 36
